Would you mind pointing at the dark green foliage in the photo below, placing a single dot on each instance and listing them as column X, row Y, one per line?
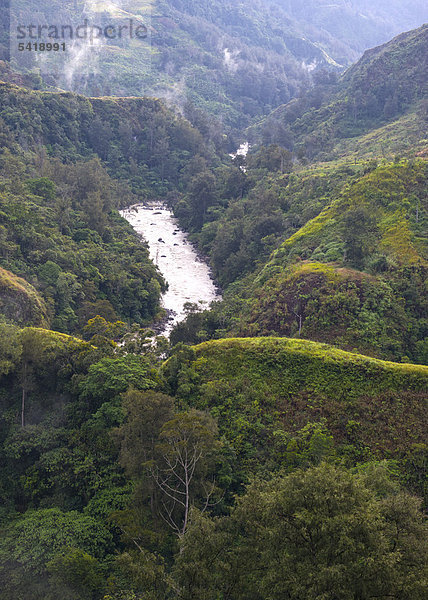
column 139, row 139
column 316, row 533
column 46, row 541
column 72, row 245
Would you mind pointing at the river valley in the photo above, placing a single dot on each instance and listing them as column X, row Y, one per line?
column 188, row 276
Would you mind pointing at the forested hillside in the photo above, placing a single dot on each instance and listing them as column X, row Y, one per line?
column 386, row 86
column 67, row 164
column 274, row 447
column 234, row 61
column 333, row 251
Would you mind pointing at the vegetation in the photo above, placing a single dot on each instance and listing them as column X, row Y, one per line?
column 218, row 58
column 19, row 300
column 384, row 85
column 134, row 478
column 262, row 390
column 244, row 458
column 319, row 532
column 73, row 247
column 67, row 164
column 352, row 268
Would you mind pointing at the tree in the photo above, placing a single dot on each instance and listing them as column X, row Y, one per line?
column 359, row 235
column 110, row 377
column 317, row 533
column 146, row 412
column 78, row 571
column 182, row 467
column 43, row 187
column 36, row 348
column 29, row 543
column 201, row 195
column 272, row 158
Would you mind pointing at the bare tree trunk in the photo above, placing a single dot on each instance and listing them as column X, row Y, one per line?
column 186, row 507
column 300, row 317
column 24, row 383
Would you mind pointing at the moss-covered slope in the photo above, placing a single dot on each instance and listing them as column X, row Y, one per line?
column 20, row 303
column 260, row 387
column 384, row 212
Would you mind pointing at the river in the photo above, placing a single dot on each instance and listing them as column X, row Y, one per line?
column 188, row 277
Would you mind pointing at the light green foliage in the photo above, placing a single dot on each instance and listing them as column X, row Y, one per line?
column 272, row 470
column 352, row 268
column 262, row 389
column 137, row 574
column 112, row 376
column 39, row 536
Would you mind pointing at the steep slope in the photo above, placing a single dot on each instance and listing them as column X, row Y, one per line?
column 261, row 388
column 354, row 275
column 333, row 251
column 138, row 139
column 388, row 216
column 386, row 84
column 61, row 158
column 20, row 303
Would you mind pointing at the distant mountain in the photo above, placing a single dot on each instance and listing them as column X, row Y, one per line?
column 357, row 24
column 237, row 61
column 383, row 95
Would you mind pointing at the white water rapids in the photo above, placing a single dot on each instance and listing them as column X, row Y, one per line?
column 188, row 277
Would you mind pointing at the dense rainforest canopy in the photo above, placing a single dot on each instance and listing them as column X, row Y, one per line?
column 275, row 446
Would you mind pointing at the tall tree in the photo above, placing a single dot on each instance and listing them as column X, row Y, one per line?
column 182, row 467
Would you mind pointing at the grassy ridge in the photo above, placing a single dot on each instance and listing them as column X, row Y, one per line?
column 291, row 363
column 261, row 389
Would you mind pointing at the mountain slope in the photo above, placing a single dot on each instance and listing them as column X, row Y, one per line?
column 19, row 301
column 236, row 61
column 354, row 275
column 258, row 387
column 67, row 164
column 333, row 251
column 358, row 24
column 386, row 84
